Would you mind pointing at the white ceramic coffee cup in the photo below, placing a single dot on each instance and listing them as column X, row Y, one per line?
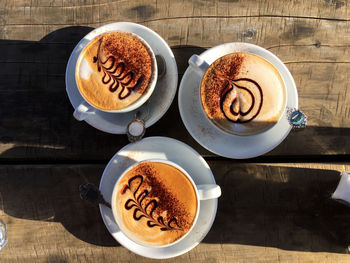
column 203, row 192
column 85, row 109
column 342, row 192
column 200, row 66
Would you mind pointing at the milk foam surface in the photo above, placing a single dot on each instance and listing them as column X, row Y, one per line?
column 85, row 70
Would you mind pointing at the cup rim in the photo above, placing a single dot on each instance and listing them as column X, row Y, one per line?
column 151, row 85
column 272, row 64
column 114, row 193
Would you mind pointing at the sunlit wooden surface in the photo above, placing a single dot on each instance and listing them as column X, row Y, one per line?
column 276, row 208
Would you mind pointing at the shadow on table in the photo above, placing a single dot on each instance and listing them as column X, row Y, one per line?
column 282, row 207
column 50, row 193
column 35, row 109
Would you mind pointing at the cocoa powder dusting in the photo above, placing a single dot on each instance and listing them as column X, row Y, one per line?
column 223, row 69
column 167, row 201
column 128, row 49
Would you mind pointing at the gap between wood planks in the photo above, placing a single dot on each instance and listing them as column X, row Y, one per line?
column 189, row 17
column 334, row 159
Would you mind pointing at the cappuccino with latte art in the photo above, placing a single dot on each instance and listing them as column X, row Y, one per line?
column 243, row 94
column 115, row 70
column 155, row 203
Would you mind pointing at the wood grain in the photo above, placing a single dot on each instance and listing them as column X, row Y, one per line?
column 311, row 37
column 267, row 213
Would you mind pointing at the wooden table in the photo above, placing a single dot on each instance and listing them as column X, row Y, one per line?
column 275, row 208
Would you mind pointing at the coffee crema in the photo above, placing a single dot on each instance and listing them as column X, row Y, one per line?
column 243, row 94
column 114, row 70
column 156, row 203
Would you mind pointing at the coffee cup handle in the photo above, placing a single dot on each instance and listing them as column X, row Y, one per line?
column 198, row 63
column 83, row 111
column 208, row 191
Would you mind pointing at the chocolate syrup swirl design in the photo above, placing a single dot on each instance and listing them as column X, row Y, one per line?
column 231, row 101
column 146, row 209
column 115, row 74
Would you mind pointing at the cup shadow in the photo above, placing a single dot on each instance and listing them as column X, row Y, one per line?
column 33, row 94
column 282, row 207
column 50, row 193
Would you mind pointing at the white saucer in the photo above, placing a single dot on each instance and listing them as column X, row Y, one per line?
column 211, row 137
column 163, row 93
column 166, row 149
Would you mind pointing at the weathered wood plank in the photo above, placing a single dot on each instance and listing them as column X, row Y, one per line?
column 68, row 12
column 311, row 37
column 209, row 31
column 37, row 75
column 267, row 213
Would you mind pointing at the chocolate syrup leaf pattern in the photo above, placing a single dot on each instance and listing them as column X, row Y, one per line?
column 151, row 224
column 129, row 206
column 115, row 76
column 160, row 220
column 140, row 216
column 146, row 209
column 142, row 196
column 153, row 204
column 241, row 100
